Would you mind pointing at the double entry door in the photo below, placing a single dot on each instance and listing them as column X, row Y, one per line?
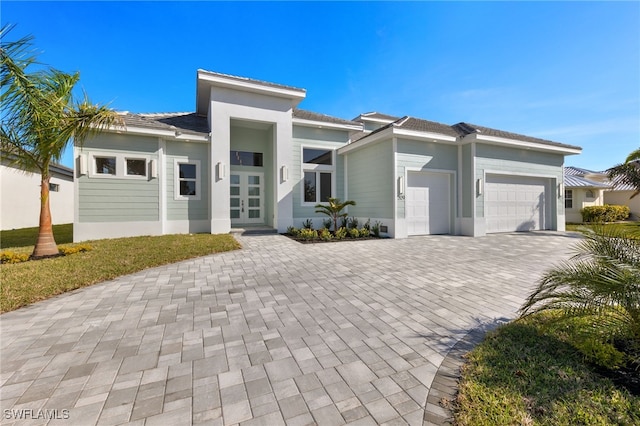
column 247, row 197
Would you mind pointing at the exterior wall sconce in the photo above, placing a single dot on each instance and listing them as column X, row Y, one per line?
column 284, row 173
column 401, row 185
column 153, row 166
column 81, row 163
column 221, row 170
column 560, row 190
column 479, row 186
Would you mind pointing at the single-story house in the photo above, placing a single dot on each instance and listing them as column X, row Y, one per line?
column 592, row 188
column 583, row 188
column 248, row 156
column 20, row 206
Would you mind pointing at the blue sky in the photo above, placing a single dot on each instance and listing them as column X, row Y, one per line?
column 568, row 72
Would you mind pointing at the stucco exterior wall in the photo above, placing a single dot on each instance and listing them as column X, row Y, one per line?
column 20, row 199
column 624, row 198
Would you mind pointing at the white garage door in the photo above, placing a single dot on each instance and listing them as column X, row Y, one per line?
column 427, row 203
column 515, row 203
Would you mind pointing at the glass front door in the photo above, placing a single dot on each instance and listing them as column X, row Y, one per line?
column 247, row 197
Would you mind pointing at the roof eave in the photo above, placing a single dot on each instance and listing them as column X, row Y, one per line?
column 326, row 124
column 177, row 134
column 430, row 136
column 495, row 140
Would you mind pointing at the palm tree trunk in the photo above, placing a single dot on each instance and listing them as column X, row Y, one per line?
column 46, row 243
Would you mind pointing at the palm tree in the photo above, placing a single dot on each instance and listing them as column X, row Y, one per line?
column 600, row 285
column 333, row 209
column 40, row 118
column 628, row 173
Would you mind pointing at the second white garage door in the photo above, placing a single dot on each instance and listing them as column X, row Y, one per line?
column 515, row 203
column 428, row 203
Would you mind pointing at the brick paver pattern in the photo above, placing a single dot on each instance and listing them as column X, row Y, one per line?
column 276, row 333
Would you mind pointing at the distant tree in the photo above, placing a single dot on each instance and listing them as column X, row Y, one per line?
column 628, row 173
column 40, row 117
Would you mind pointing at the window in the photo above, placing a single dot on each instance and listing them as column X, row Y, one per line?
column 105, row 165
column 244, row 158
column 54, row 187
column 187, row 181
column 318, row 169
column 568, row 198
column 136, row 167
column 590, row 194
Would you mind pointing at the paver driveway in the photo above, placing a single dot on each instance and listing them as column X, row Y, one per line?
column 275, row 333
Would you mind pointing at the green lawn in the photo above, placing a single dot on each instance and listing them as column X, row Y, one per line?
column 522, row 375
column 628, row 226
column 27, row 236
column 28, row 282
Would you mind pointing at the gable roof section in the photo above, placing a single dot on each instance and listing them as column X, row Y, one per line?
column 376, row 116
column 488, row 133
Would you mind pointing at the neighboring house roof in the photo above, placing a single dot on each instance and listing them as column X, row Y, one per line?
column 577, row 171
column 572, row 181
column 59, row 169
column 621, row 186
column 467, row 129
column 613, row 185
column 314, row 116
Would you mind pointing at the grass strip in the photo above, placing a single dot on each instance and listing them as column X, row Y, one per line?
column 28, row 282
column 26, row 237
column 522, row 375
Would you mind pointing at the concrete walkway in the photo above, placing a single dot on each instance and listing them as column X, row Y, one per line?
column 276, row 333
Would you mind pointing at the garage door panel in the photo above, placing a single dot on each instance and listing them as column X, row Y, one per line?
column 515, row 203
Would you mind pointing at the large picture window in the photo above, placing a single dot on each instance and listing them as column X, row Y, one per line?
column 318, row 170
column 187, row 181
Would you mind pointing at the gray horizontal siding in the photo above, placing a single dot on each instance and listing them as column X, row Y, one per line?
column 118, row 200
column 371, row 179
column 187, row 209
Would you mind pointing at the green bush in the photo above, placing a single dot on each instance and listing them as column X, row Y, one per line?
column 293, row 231
column 308, row 234
column 325, row 234
column 364, row 232
column 354, row 233
column 341, row 233
column 606, row 213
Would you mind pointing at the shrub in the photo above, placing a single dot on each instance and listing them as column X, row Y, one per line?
column 326, row 223
column 364, row 232
column 80, row 248
column 367, row 225
column 307, row 224
column 375, row 229
column 308, row 234
column 353, row 223
column 341, row 233
column 606, row 213
column 13, row 257
column 354, row 233
column 325, row 234
column 293, row 231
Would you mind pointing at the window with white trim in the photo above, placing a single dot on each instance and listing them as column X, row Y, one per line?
column 119, row 166
column 187, row 180
column 136, row 167
column 54, row 187
column 318, row 169
column 568, row 198
column 105, row 165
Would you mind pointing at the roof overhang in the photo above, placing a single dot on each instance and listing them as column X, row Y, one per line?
column 206, row 80
column 176, row 135
column 495, row 140
column 326, row 125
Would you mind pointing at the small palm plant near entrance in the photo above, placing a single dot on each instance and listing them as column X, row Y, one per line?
column 334, row 208
column 595, row 297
